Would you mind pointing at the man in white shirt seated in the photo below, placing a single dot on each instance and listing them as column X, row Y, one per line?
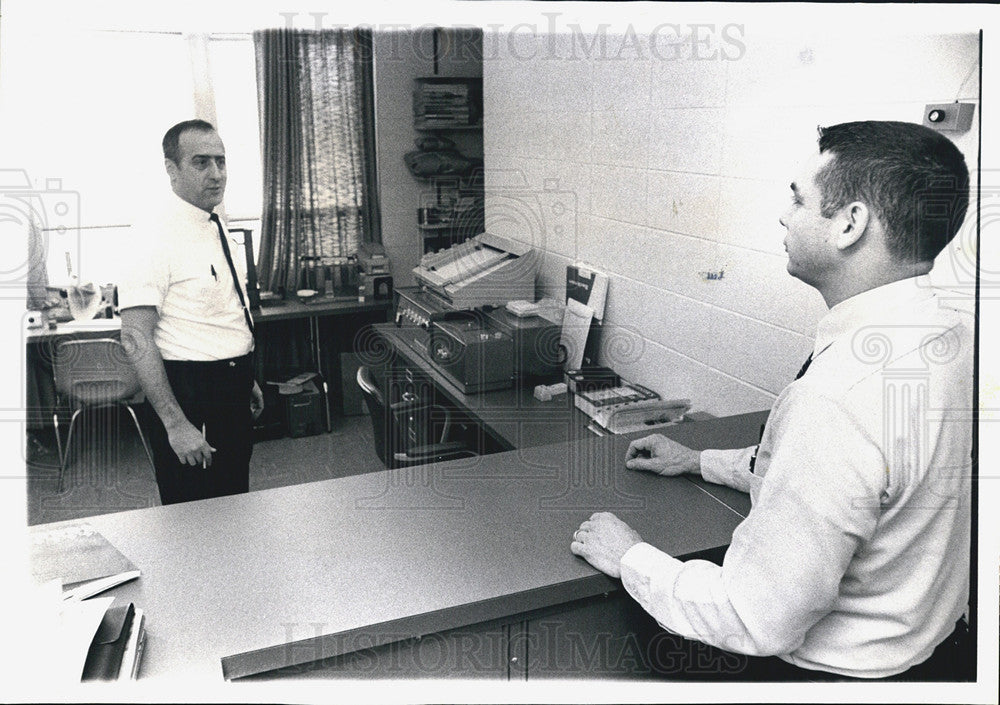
column 187, row 330
column 854, row 559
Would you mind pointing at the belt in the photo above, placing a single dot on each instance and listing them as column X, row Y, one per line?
column 210, row 365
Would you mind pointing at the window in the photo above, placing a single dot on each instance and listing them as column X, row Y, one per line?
column 234, row 82
column 89, row 109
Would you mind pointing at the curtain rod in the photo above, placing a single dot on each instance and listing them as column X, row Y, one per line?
column 224, row 36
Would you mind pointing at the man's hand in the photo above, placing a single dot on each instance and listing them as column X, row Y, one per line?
column 138, row 324
column 602, row 540
column 187, row 442
column 662, row 456
column 256, row 401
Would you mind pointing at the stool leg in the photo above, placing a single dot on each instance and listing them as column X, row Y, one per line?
column 55, row 423
column 69, row 441
column 142, row 437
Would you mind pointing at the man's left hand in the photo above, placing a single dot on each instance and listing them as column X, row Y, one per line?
column 602, row 540
column 256, row 400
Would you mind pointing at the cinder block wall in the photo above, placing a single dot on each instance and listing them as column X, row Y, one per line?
column 663, row 170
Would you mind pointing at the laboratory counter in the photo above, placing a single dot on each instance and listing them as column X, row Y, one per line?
column 325, row 579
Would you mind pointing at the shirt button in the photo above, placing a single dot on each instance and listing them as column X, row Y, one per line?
column 232, row 363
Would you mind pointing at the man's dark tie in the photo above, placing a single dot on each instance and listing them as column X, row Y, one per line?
column 802, row 371
column 805, row 366
column 232, row 269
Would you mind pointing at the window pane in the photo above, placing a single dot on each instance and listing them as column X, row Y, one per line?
column 91, row 110
column 97, row 119
column 234, row 81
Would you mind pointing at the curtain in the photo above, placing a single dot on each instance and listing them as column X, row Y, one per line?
column 316, row 102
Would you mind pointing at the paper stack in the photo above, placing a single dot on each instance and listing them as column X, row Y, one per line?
column 94, row 638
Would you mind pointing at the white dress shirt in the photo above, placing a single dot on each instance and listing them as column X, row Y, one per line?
column 854, row 558
column 178, row 266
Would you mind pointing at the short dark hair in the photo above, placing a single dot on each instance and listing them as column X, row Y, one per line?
column 913, row 179
column 172, row 138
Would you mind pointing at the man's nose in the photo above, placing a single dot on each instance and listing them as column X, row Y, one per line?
column 215, row 171
column 783, row 218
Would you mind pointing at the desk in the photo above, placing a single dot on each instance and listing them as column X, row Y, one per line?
column 472, row 554
column 76, row 330
column 40, row 393
column 333, row 326
column 513, row 418
column 320, row 307
column 281, row 311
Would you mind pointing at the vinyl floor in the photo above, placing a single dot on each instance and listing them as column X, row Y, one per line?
column 107, row 469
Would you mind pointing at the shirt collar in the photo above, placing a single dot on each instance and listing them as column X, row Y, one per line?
column 188, row 211
column 874, row 304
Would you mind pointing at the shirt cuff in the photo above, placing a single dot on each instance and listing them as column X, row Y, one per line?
column 129, row 297
column 641, row 564
column 717, row 466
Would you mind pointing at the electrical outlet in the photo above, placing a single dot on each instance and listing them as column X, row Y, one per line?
column 949, row 117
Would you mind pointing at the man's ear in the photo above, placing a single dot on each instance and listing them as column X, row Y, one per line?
column 171, row 168
column 851, row 222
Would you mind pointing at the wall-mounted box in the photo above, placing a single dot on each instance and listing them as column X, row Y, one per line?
column 949, row 117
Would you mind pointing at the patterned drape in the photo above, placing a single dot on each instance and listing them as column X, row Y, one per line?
column 316, row 106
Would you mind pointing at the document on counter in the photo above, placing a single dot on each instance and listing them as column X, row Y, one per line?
column 95, row 587
column 78, row 623
column 76, row 554
column 575, row 329
column 588, row 286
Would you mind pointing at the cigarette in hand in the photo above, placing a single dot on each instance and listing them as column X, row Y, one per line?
column 203, row 465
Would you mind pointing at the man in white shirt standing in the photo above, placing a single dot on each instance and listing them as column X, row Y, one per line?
column 187, row 329
column 854, row 559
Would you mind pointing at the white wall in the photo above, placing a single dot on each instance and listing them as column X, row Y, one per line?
column 671, row 168
column 399, row 58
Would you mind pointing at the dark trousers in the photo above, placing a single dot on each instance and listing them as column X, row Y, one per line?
column 215, row 394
